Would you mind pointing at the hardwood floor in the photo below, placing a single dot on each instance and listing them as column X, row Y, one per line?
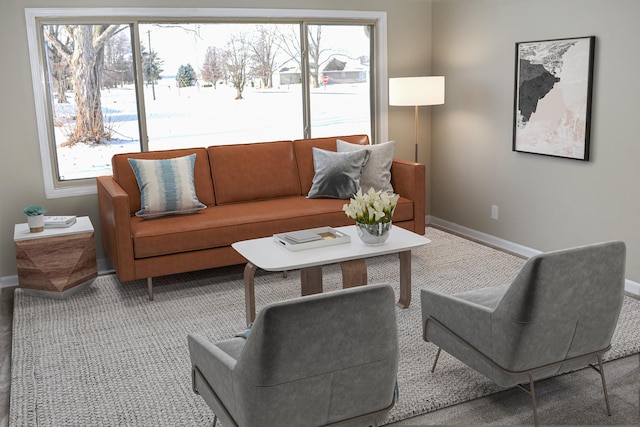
column 6, row 324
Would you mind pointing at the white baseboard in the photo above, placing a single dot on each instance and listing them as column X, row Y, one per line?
column 632, row 288
column 105, row 266
column 8, row 281
column 485, row 238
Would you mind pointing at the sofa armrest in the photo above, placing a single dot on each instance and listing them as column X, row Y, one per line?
column 408, row 180
column 115, row 226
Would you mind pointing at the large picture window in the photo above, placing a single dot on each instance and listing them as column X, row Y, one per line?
column 123, row 84
column 92, row 98
column 222, row 83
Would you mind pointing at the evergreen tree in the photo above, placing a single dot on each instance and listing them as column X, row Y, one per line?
column 186, row 76
column 151, row 66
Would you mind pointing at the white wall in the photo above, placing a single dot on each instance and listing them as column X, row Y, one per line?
column 544, row 203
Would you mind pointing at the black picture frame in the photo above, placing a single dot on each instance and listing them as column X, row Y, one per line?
column 552, row 97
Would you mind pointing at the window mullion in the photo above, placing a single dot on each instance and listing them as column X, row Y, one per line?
column 139, row 81
column 304, row 63
column 373, row 83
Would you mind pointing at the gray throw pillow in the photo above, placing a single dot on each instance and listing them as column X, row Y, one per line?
column 377, row 172
column 337, row 175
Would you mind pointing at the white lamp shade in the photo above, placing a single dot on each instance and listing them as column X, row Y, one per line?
column 411, row 91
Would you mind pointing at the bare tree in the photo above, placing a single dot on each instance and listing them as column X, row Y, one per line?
column 85, row 57
column 290, row 44
column 264, row 54
column 118, row 62
column 315, row 51
column 212, row 69
column 59, row 67
column 236, row 60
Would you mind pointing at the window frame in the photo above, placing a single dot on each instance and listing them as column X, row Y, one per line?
column 54, row 188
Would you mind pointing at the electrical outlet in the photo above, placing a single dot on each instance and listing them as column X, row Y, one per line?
column 494, row 212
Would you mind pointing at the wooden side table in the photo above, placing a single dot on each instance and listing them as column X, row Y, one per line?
column 56, row 262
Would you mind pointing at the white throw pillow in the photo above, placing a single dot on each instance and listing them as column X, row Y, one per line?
column 167, row 186
column 337, row 175
column 377, row 172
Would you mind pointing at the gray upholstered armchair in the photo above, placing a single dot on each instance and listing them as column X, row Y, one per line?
column 318, row 360
column 558, row 314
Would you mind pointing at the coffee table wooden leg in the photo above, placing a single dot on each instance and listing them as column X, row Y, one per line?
column 311, row 280
column 405, row 279
column 354, row 273
column 250, row 291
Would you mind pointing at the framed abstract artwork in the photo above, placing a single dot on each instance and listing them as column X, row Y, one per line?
column 552, row 105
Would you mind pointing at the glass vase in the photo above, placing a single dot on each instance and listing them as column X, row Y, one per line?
column 373, row 234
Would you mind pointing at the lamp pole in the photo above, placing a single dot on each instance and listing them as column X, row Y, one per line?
column 416, row 134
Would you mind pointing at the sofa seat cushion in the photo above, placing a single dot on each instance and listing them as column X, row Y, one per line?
column 221, row 226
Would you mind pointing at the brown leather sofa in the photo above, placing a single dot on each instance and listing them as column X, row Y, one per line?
column 251, row 190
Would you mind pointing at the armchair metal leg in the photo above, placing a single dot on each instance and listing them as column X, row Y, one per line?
column 433, row 368
column 373, row 416
column 600, row 370
column 531, row 391
column 150, row 288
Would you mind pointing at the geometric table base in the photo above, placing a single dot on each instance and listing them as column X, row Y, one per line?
column 56, row 264
column 59, row 295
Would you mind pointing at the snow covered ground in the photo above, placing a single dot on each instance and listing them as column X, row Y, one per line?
column 203, row 116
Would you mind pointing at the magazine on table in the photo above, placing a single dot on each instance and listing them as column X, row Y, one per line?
column 312, row 238
column 59, row 221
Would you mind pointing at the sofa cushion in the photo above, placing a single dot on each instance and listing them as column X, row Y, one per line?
column 248, row 172
column 166, row 186
column 126, row 179
column 377, row 172
column 223, row 225
column 304, row 155
column 337, row 175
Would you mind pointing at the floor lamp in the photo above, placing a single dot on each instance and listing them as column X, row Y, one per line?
column 416, row 91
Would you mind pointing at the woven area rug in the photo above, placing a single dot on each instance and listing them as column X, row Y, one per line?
column 108, row 356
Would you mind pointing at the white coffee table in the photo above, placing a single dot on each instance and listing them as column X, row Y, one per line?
column 266, row 254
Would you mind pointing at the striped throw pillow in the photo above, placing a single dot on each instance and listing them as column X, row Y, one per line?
column 167, row 186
